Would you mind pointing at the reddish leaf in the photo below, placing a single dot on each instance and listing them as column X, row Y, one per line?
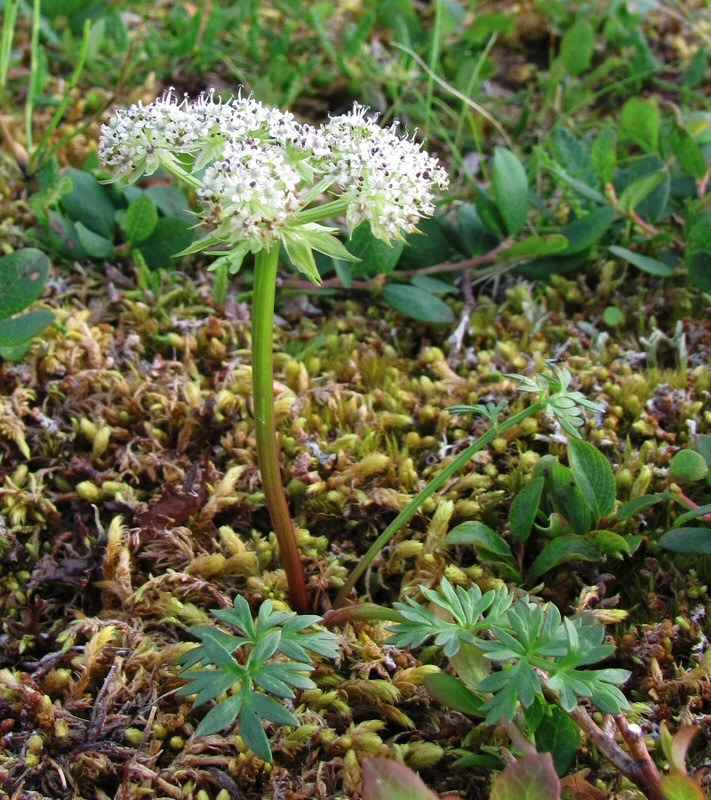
column 530, row 778
column 680, row 743
column 173, row 508
column 384, row 779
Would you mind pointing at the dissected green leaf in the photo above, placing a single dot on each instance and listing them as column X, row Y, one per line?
column 529, row 778
column 417, row 303
column 510, row 188
column 23, row 275
column 253, row 733
column 220, row 717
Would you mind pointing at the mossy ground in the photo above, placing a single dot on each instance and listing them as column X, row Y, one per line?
column 131, row 506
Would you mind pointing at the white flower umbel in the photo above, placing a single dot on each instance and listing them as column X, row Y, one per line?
column 252, row 192
column 259, row 173
column 387, row 179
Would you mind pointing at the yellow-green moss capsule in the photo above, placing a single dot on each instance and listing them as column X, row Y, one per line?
column 89, row 492
column 57, row 679
column 133, row 736
column 101, row 441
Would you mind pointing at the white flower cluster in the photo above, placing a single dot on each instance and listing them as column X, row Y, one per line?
column 253, row 166
column 388, row 179
column 252, row 192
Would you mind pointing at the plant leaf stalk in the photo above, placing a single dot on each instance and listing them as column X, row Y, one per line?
column 265, row 271
column 414, row 505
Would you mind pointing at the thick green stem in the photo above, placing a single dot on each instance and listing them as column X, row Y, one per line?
column 265, row 270
column 414, row 505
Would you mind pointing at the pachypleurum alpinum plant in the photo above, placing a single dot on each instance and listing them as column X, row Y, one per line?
column 261, row 178
column 263, row 181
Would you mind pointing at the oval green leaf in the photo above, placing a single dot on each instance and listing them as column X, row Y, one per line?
column 594, row 476
column 141, row 219
column 417, row 303
column 510, row 187
column 453, row 693
column 645, row 263
column 21, row 329
column 482, row 536
column 688, row 466
column 524, row 508
column 561, row 550
column 23, row 275
column 695, row 541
